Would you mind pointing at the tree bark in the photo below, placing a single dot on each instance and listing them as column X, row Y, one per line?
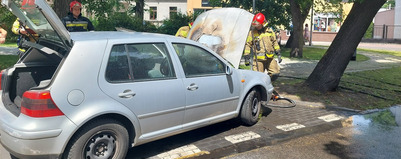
column 62, row 7
column 139, row 8
column 328, row 72
column 289, row 41
column 299, row 13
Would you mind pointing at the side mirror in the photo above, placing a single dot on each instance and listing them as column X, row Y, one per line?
column 229, row 70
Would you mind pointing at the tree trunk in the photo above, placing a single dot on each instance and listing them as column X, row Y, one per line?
column 299, row 14
column 289, row 41
column 328, row 72
column 62, row 7
column 139, row 8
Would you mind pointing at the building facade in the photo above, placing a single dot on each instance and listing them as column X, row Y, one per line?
column 158, row 10
column 397, row 19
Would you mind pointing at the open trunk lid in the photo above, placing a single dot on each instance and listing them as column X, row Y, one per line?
column 41, row 19
column 36, row 68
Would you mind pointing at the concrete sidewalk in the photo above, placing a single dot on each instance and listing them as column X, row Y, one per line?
column 8, row 50
column 362, row 45
column 302, row 68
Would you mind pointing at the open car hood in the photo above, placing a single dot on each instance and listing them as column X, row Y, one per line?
column 223, row 30
column 40, row 18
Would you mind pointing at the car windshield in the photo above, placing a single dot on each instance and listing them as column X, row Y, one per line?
column 35, row 22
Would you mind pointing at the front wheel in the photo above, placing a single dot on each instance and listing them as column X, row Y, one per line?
column 251, row 108
column 100, row 139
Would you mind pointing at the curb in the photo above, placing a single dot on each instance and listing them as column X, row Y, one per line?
column 267, row 141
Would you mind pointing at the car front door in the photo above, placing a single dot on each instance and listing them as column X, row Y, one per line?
column 141, row 76
column 210, row 92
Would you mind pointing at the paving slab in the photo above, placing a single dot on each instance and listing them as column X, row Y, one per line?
column 275, row 126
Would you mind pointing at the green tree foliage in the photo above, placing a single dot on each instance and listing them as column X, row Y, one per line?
column 369, row 32
column 389, row 3
column 102, row 8
column 124, row 20
column 6, row 22
column 277, row 12
column 170, row 26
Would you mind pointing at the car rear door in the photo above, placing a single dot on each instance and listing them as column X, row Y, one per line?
column 140, row 75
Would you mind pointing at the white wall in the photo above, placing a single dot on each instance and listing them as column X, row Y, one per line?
column 397, row 20
column 163, row 9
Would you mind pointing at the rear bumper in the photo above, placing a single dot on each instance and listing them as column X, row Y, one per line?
column 27, row 137
column 24, row 135
column 27, row 149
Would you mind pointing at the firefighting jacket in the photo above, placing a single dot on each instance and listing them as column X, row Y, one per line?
column 77, row 24
column 267, row 43
column 183, row 32
column 17, row 26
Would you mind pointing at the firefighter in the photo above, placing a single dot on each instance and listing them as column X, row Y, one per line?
column 263, row 43
column 23, row 32
column 26, row 34
column 183, row 31
column 74, row 21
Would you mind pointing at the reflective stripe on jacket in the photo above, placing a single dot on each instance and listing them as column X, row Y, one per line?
column 77, row 24
column 267, row 42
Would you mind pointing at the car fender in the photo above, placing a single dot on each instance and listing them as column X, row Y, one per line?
column 108, row 108
column 251, row 80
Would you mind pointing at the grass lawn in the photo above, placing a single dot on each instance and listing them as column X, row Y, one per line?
column 316, row 53
column 9, row 44
column 358, row 90
column 7, row 61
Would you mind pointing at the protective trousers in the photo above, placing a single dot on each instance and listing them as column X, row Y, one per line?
column 269, row 64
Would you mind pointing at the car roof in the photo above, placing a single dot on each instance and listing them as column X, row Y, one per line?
column 99, row 35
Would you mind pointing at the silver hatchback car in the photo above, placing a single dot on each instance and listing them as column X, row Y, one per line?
column 95, row 94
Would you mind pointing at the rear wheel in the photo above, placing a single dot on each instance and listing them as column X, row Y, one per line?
column 100, row 139
column 251, row 108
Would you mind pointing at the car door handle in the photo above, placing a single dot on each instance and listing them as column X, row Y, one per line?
column 126, row 94
column 192, row 87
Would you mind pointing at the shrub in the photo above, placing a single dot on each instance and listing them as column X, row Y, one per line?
column 125, row 21
column 170, row 26
column 6, row 22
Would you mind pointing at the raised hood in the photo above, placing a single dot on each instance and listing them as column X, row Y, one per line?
column 40, row 18
column 223, row 30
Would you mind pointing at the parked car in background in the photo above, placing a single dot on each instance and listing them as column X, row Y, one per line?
column 94, row 94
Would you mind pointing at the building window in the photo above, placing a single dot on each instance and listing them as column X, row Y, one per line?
column 205, row 3
column 173, row 11
column 326, row 23
column 153, row 13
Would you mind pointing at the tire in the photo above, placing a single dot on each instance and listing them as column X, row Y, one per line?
column 13, row 157
column 100, row 139
column 251, row 108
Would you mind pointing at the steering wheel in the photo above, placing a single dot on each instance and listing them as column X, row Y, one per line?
column 164, row 67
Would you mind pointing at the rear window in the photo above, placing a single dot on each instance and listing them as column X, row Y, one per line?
column 139, row 62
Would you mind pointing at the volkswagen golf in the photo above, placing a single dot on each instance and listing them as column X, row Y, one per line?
column 96, row 94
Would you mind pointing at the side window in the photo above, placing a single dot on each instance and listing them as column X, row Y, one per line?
column 117, row 67
column 138, row 62
column 197, row 61
column 150, row 61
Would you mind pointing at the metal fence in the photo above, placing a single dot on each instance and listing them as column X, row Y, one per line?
column 387, row 32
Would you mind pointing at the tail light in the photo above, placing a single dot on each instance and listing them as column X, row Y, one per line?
column 1, row 76
column 39, row 104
